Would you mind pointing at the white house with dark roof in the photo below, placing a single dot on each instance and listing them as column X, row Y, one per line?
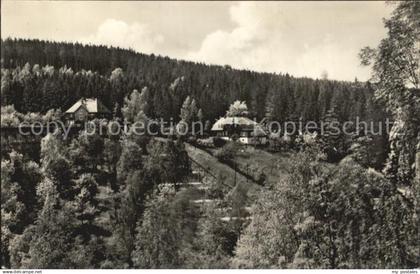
column 87, row 109
column 246, row 130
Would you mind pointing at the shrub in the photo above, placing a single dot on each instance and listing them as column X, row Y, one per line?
column 235, row 136
column 205, row 142
column 219, row 142
column 227, row 153
column 192, row 140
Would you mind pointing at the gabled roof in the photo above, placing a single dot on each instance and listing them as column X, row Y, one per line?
column 92, row 105
column 243, row 122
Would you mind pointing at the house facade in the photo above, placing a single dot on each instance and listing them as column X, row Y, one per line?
column 243, row 129
column 87, row 109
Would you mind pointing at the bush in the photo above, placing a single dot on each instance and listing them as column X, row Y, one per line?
column 235, row 137
column 227, row 153
column 205, row 142
column 219, row 142
column 192, row 139
column 274, row 145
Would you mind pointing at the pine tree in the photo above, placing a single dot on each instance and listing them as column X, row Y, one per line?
column 160, row 235
column 193, row 110
column 332, row 136
column 200, row 115
column 186, row 111
column 136, row 104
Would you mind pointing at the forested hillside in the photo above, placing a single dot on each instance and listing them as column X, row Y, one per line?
column 40, row 75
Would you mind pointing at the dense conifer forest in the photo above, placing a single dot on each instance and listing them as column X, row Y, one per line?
column 41, row 75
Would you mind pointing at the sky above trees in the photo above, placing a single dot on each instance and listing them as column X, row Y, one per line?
column 303, row 39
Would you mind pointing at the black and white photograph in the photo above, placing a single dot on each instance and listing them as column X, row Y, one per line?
column 210, row 136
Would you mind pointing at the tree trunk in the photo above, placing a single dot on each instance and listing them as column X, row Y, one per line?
column 417, row 180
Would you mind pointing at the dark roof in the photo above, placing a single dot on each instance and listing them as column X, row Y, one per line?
column 244, row 123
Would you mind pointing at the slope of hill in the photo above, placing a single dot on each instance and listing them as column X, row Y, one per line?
column 31, row 84
column 221, row 171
